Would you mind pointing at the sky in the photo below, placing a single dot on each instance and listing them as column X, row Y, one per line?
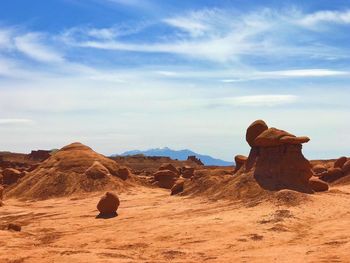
column 119, row 75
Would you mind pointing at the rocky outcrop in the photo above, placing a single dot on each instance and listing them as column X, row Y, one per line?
column 39, row 155
column 346, row 168
column 75, row 168
column 194, row 159
column 169, row 167
column 240, row 161
column 187, row 172
column 108, row 204
column 318, row 185
column 178, row 187
column 165, row 178
column 340, row 162
column 276, row 160
column 11, row 176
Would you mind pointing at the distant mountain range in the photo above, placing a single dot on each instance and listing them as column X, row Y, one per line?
column 180, row 155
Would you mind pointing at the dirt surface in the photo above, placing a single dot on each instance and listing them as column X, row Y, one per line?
column 153, row 226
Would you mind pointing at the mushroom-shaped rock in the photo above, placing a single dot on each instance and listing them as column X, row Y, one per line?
column 239, row 160
column 332, row 175
column 346, row 168
column 165, row 178
column 254, row 130
column 11, row 176
column 169, row 167
column 318, row 185
column 178, row 187
column 97, row 171
column 108, row 204
column 123, row 173
column 340, row 162
column 319, row 168
column 187, row 171
column 271, row 137
column 294, row 140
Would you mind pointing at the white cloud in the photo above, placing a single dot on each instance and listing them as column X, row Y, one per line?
column 339, row 17
column 15, row 121
column 30, row 45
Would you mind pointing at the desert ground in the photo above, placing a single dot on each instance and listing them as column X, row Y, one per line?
column 152, row 226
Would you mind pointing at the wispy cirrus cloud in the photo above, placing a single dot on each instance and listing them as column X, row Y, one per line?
column 30, row 45
column 327, row 16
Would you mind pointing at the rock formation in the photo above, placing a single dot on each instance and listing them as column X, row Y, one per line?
column 74, row 168
column 165, row 178
column 187, row 171
column 108, row 204
column 194, row 159
column 169, row 167
column 11, row 176
column 178, row 187
column 276, row 160
column 240, row 161
column 340, row 162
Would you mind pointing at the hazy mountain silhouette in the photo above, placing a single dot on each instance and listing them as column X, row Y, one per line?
column 180, row 155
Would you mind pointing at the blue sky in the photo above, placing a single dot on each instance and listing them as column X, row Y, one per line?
column 137, row 74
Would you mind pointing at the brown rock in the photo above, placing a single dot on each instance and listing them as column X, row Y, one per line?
column 165, row 178
column 239, row 160
column 346, row 168
column 194, row 159
column 318, row 185
column 340, row 162
column 1, row 193
column 254, row 130
column 319, row 169
column 187, row 171
column 108, row 204
column 178, row 187
column 271, row 137
column 97, row 171
column 332, row 175
column 169, row 167
column 123, row 173
column 11, row 176
column 14, row 227
column 294, row 140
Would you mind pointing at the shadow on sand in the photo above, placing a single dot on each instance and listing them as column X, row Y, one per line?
column 106, row 216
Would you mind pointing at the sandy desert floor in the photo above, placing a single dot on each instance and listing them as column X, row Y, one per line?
column 155, row 227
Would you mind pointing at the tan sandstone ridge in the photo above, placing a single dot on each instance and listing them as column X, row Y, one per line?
column 73, row 169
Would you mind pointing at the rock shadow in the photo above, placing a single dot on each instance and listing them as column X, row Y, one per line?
column 106, row 216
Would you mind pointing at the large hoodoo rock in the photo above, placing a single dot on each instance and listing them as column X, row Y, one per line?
column 276, row 160
column 108, row 204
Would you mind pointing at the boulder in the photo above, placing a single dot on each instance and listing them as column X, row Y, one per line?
column 165, row 178
column 340, row 162
column 254, row 130
column 332, row 175
column 346, row 168
column 123, row 173
column 178, row 187
column 187, row 171
column 169, row 167
column 11, row 176
column 318, row 185
column 239, row 160
column 319, row 168
column 97, row 171
column 108, row 204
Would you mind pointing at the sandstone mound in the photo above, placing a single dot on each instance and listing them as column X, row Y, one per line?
column 165, row 178
column 275, row 164
column 73, row 169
